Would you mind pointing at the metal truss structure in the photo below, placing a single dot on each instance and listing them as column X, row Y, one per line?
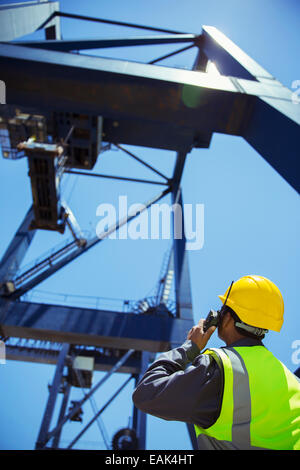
column 79, row 105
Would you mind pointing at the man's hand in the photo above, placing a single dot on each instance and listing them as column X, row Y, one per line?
column 198, row 336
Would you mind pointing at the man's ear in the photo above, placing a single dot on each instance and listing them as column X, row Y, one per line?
column 226, row 319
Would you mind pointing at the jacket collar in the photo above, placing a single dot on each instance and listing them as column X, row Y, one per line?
column 246, row 342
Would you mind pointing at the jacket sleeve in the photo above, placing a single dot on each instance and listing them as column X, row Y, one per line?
column 181, row 385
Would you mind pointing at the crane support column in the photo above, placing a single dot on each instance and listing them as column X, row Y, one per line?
column 54, row 390
column 140, row 418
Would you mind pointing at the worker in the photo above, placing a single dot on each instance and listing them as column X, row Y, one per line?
column 239, row 396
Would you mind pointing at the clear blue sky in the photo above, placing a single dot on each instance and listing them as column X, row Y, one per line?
column 251, row 214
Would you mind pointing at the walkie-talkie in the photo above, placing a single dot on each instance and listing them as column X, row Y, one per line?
column 213, row 318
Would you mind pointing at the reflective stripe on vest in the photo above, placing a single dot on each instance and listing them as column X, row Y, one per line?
column 260, row 406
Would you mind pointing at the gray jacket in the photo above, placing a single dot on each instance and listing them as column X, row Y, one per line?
column 184, row 385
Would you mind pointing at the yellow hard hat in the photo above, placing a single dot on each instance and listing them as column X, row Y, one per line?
column 257, row 301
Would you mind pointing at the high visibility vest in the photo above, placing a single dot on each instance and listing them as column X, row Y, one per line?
column 260, row 407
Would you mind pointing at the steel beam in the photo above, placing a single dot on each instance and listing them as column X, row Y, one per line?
column 12, row 258
column 192, row 434
column 63, row 408
column 171, row 54
column 66, row 45
column 143, row 162
column 120, row 89
column 105, row 21
column 103, row 363
column 229, row 58
column 144, row 93
column 92, row 327
column 274, row 121
column 273, row 131
column 148, row 133
column 139, row 418
column 123, row 178
column 54, row 389
column 182, row 278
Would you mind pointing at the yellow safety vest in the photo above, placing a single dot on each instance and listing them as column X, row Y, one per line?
column 260, row 407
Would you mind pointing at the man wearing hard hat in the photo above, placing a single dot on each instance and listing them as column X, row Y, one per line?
column 239, row 396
